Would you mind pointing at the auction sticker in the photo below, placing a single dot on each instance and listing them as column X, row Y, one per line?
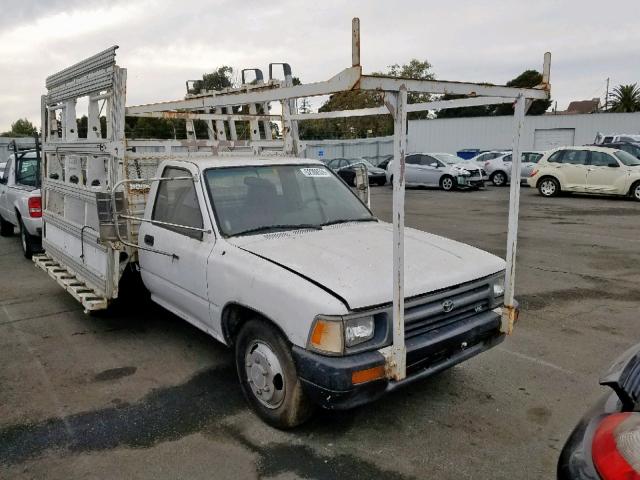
column 315, row 172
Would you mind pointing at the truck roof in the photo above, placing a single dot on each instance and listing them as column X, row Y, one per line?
column 249, row 160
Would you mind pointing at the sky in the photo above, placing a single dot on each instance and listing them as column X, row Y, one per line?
column 163, row 43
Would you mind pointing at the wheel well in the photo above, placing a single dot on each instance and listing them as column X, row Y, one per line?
column 234, row 316
column 498, row 171
column 544, row 177
column 633, row 186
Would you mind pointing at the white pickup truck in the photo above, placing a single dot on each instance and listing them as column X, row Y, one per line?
column 20, row 200
column 279, row 259
column 267, row 251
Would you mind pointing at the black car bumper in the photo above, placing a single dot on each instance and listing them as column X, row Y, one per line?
column 327, row 380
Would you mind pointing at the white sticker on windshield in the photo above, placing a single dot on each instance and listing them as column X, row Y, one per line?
column 315, row 172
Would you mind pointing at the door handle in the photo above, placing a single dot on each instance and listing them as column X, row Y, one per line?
column 148, row 239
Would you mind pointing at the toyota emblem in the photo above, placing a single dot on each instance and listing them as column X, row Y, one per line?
column 447, row 306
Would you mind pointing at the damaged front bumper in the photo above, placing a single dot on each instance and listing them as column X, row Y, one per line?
column 328, row 380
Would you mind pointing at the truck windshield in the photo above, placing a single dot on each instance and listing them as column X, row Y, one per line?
column 259, row 199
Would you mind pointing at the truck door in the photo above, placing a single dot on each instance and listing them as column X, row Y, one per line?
column 4, row 189
column 178, row 281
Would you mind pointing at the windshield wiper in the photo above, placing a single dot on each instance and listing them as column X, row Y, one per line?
column 348, row 220
column 266, row 228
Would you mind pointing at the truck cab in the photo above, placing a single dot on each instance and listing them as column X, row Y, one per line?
column 20, row 200
column 279, row 259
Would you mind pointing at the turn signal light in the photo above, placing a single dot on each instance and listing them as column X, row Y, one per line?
column 363, row 376
column 327, row 336
column 35, row 207
column 533, row 173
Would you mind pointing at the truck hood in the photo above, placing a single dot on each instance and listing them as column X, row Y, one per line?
column 354, row 260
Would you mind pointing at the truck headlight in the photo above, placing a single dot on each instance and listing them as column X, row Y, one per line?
column 498, row 286
column 358, row 330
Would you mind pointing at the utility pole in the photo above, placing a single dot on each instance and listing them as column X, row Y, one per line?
column 606, row 97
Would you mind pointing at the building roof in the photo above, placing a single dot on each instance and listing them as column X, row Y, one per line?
column 584, row 106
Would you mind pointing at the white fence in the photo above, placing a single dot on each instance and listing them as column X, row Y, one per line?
column 373, row 149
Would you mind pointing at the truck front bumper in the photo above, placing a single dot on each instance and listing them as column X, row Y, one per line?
column 328, row 380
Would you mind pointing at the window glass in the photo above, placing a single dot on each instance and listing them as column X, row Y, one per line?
column 628, row 159
column 177, row 202
column 333, row 163
column 632, row 149
column 28, row 171
column 556, row 157
column 507, row 158
column 601, row 159
column 428, row 160
column 271, row 198
column 532, row 157
column 575, row 157
column 413, row 159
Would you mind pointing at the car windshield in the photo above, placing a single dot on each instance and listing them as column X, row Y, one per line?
column 626, row 158
column 269, row 198
column 447, row 158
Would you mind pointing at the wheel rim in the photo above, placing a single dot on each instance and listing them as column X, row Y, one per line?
column 498, row 179
column 264, row 374
column 548, row 187
column 23, row 238
column 447, row 184
column 636, row 192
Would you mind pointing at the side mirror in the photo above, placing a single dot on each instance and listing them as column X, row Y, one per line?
column 434, row 164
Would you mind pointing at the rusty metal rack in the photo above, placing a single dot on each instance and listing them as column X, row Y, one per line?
column 104, row 163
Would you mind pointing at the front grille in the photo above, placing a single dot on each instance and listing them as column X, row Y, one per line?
column 484, row 174
column 431, row 312
column 475, row 173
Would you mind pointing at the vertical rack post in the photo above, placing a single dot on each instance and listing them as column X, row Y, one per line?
column 399, row 112
column 509, row 312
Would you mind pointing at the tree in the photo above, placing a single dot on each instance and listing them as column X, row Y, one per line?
column 221, row 77
column 477, row 111
column 22, row 128
column 626, row 98
column 527, row 79
column 374, row 125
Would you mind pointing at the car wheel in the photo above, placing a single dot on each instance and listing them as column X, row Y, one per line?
column 447, row 183
column 391, row 181
column 268, row 376
column 635, row 191
column 26, row 240
column 6, row 228
column 382, row 182
column 549, row 187
column 499, row 179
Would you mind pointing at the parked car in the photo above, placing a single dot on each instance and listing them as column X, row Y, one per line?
column 442, row 170
column 385, row 162
column 605, row 445
column 345, row 168
column 20, row 200
column 630, row 147
column 499, row 169
column 588, row 169
column 602, row 139
column 485, row 156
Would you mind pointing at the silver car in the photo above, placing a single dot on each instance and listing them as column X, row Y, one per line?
column 499, row 169
column 442, row 170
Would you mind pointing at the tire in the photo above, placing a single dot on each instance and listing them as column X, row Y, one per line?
column 26, row 240
column 447, row 183
column 264, row 355
column 549, row 187
column 6, row 228
column 499, row 179
column 382, row 182
column 635, row 191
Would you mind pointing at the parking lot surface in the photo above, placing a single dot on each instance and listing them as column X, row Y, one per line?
column 138, row 393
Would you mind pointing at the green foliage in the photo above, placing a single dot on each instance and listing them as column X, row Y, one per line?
column 626, row 98
column 478, row 111
column 369, row 126
column 21, row 128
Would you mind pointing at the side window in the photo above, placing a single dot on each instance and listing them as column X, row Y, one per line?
column 534, row 157
column 427, row 160
column 27, row 172
column 333, row 163
column 177, row 203
column 413, row 159
column 601, row 159
column 632, row 149
column 556, row 157
column 607, row 140
column 7, row 167
column 575, row 157
column 507, row 158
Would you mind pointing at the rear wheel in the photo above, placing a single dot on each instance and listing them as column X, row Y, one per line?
column 447, row 183
column 499, row 179
column 635, row 191
column 26, row 240
column 6, row 228
column 268, row 376
column 549, row 187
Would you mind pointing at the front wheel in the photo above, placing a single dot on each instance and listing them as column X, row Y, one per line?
column 549, row 187
column 447, row 183
column 268, row 376
column 635, row 191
